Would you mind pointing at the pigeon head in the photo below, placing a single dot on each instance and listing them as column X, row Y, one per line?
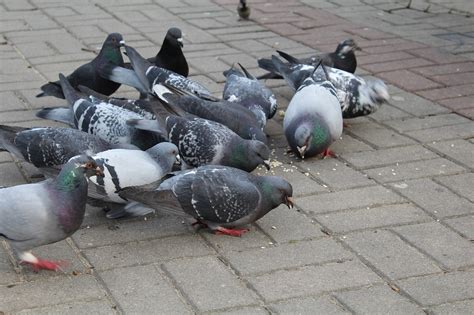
column 175, row 36
column 347, row 46
column 311, row 138
column 373, row 94
column 75, row 172
column 111, row 49
column 165, row 153
column 86, row 165
column 277, row 190
column 259, row 153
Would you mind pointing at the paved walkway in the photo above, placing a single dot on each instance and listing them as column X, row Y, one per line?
column 388, row 226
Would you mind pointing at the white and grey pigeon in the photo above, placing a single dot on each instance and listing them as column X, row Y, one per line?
column 221, row 198
column 103, row 119
column 246, row 90
column 33, row 215
column 236, row 117
column 313, row 119
column 357, row 96
column 204, row 142
column 124, row 168
column 48, row 148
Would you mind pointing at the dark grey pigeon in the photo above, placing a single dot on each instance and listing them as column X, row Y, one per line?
column 237, row 117
column 37, row 214
column 48, row 147
column 145, row 76
column 88, row 74
column 313, row 119
column 105, row 120
column 343, row 58
column 170, row 56
column 246, row 90
column 204, row 142
column 243, row 10
column 221, row 198
column 357, row 96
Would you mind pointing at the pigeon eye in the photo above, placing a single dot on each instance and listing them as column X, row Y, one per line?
column 88, row 165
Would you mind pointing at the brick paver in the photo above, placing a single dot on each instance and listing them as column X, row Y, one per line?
column 386, row 227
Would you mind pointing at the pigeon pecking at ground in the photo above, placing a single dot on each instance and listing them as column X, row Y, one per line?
column 343, row 58
column 88, row 74
column 170, row 56
column 245, row 89
column 313, row 119
column 222, row 198
column 105, row 120
column 47, row 212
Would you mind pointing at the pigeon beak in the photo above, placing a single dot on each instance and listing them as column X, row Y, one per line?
column 302, row 150
column 178, row 159
column 98, row 172
column 289, row 202
column 122, row 43
column 180, row 42
column 267, row 164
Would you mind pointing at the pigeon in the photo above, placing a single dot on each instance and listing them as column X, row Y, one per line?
column 204, row 142
column 243, row 10
column 170, row 55
column 343, row 58
column 88, row 74
column 238, row 118
column 47, row 212
column 145, row 76
column 244, row 89
column 357, row 96
column 105, row 120
column 313, row 119
column 49, row 148
column 222, row 198
column 123, row 168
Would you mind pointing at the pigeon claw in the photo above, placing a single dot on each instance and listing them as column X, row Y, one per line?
column 232, row 232
column 329, row 153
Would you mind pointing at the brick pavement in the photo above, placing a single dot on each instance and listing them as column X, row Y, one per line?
column 387, row 227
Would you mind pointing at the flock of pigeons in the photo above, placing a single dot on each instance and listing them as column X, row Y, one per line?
column 122, row 154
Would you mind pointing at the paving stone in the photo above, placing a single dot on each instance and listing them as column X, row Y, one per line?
column 372, row 217
column 445, row 69
column 459, row 150
column 76, row 288
column 437, row 289
column 434, row 198
column 389, row 156
column 457, row 103
column 417, row 169
column 416, row 105
column 7, row 273
column 378, row 299
column 312, row 280
column 309, row 305
column 10, row 175
column 101, row 307
column 243, row 311
column 252, row 239
column 349, row 144
column 444, row 133
column 446, row 246
column 10, row 101
column 461, row 184
column 447, row 92
column 462, row 307
column 348, row 199
column 380, row 137
column 208, row 284
column 410, row 124
column 388, row 112
column 294, row 254
column 463, row 225
column 142, row 289
column 146, row 252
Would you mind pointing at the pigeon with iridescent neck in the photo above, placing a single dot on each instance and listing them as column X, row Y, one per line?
column 47, row 212
column 88, row 74
column 224, row 199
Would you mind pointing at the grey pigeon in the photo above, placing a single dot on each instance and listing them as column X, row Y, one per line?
column 105, row 120
column 49, row 147
column 37, row 214
column 313, row 119
column 123, row 168
column 88, row 74
column 170, row 56
column 357, row 96
column 203, row 142
column 221, row 198
column 343, row 58
column 246, row 90
column 243, row 10
column 237, row 117
column 145, row 76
